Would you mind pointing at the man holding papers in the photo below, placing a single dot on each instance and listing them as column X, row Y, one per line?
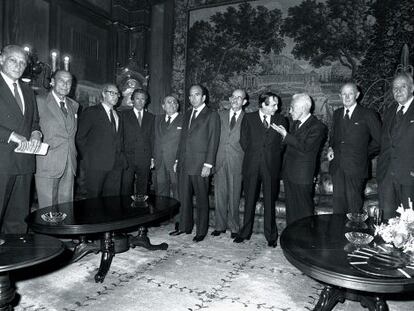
column 19, row 126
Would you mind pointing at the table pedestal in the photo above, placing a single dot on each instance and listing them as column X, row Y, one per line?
column 110, row 245
column 7, row 292
column 331, row 295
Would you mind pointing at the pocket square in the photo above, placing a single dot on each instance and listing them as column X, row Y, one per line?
column 411, row 121
column 356, row 123
column 411, row 173
column 76, row 115
column 179, row 128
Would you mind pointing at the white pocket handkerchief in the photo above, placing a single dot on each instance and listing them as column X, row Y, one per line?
column 179, row 128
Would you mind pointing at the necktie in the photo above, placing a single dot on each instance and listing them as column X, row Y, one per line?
column 193, row 117
column 17, row 96
column 168, row 120
column 296, row 125
column 400, row 113
column 233, row 121
column 346, row 117
column 265, row 123
column 140, row 118
column 63, row 108
column 111, row 114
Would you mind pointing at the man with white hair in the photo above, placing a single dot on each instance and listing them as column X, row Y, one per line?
column 304, row 141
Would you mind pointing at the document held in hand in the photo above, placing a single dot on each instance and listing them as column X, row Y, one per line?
column 42, row 150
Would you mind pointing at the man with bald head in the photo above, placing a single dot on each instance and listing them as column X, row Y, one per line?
column 353, row 141
column 19, row 126
column 395, row 169
column 303, row 143
column 229, row 162
column 100, row 143
column 55, row 172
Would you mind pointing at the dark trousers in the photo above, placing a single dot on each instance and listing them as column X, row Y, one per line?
column 14, row 202
column 135, row 180
column 348, row 193
column 165, row 182
column 299, row 201
column 391, row 194
column 103, row 183
column 252, row 185
column 189, row 184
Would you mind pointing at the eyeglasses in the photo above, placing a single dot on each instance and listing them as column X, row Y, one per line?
column 236, row 98
column 113, row 93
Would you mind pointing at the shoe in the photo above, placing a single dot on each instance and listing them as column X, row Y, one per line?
column 272, row 243
column 233, row 235
column 217, row 232
column 176, row 232
column 198, row 238
column 238, row 240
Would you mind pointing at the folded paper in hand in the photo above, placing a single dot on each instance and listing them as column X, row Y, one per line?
column 42, row 150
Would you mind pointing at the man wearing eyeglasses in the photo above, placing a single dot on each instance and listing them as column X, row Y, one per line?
column 55, row 172
column 395, row 169
column 99, row 141
column 19, row 126
column 138, row 144
column 228, row 175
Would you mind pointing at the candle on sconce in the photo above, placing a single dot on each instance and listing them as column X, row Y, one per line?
column 66, row 63
column 54, row 57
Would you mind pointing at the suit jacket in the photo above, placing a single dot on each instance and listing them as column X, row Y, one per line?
column 198, row 145
column 166, row 141
column 229, row 146
column 98, row 145
column 260, row 143
column 59, row 132
column 360, row 142
column 12, row 120
column 397, row 148
column 138, row 140
column 303, row 146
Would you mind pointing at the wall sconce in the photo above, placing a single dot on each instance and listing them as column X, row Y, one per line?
column 35, row 67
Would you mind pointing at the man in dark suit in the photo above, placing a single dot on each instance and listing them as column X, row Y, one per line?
column 395, row 169
column 229, row 161
column 99, row 141
column 138, row 144
column 19, row 126
column 55, row 171
column 263, row 150
column 354, row 139
column 196, row 155
column 167, row 130
column 304, row 141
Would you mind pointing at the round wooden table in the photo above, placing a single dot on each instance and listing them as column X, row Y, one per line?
column 108, row 218
column 21, row 251
column 317, row 246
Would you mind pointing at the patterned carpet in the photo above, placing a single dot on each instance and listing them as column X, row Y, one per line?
column 215, row 274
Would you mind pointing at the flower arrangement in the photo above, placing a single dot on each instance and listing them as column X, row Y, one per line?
column 400, row 230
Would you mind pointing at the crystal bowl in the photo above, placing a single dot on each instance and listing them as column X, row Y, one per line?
column 357, row 217
column 359, row 238
column 53, row 216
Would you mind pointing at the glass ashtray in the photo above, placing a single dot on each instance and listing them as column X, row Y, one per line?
column 357, row 217
column 2, row 241
column 359, row 238
column 53, row 216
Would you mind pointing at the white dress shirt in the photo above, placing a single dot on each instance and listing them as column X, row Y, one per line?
column 108, row 113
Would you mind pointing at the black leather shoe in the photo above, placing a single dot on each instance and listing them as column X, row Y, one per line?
column 272, row 244
column 198, row 238
column 176, row 232
column 238, row 240
column 233, row 235
column 217, row 232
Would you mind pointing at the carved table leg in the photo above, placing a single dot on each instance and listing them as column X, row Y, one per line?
column 142, row 240
column 373, row 303
column 328, row 298
column 7, row 292
column 108, row 252
column 85, row 247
